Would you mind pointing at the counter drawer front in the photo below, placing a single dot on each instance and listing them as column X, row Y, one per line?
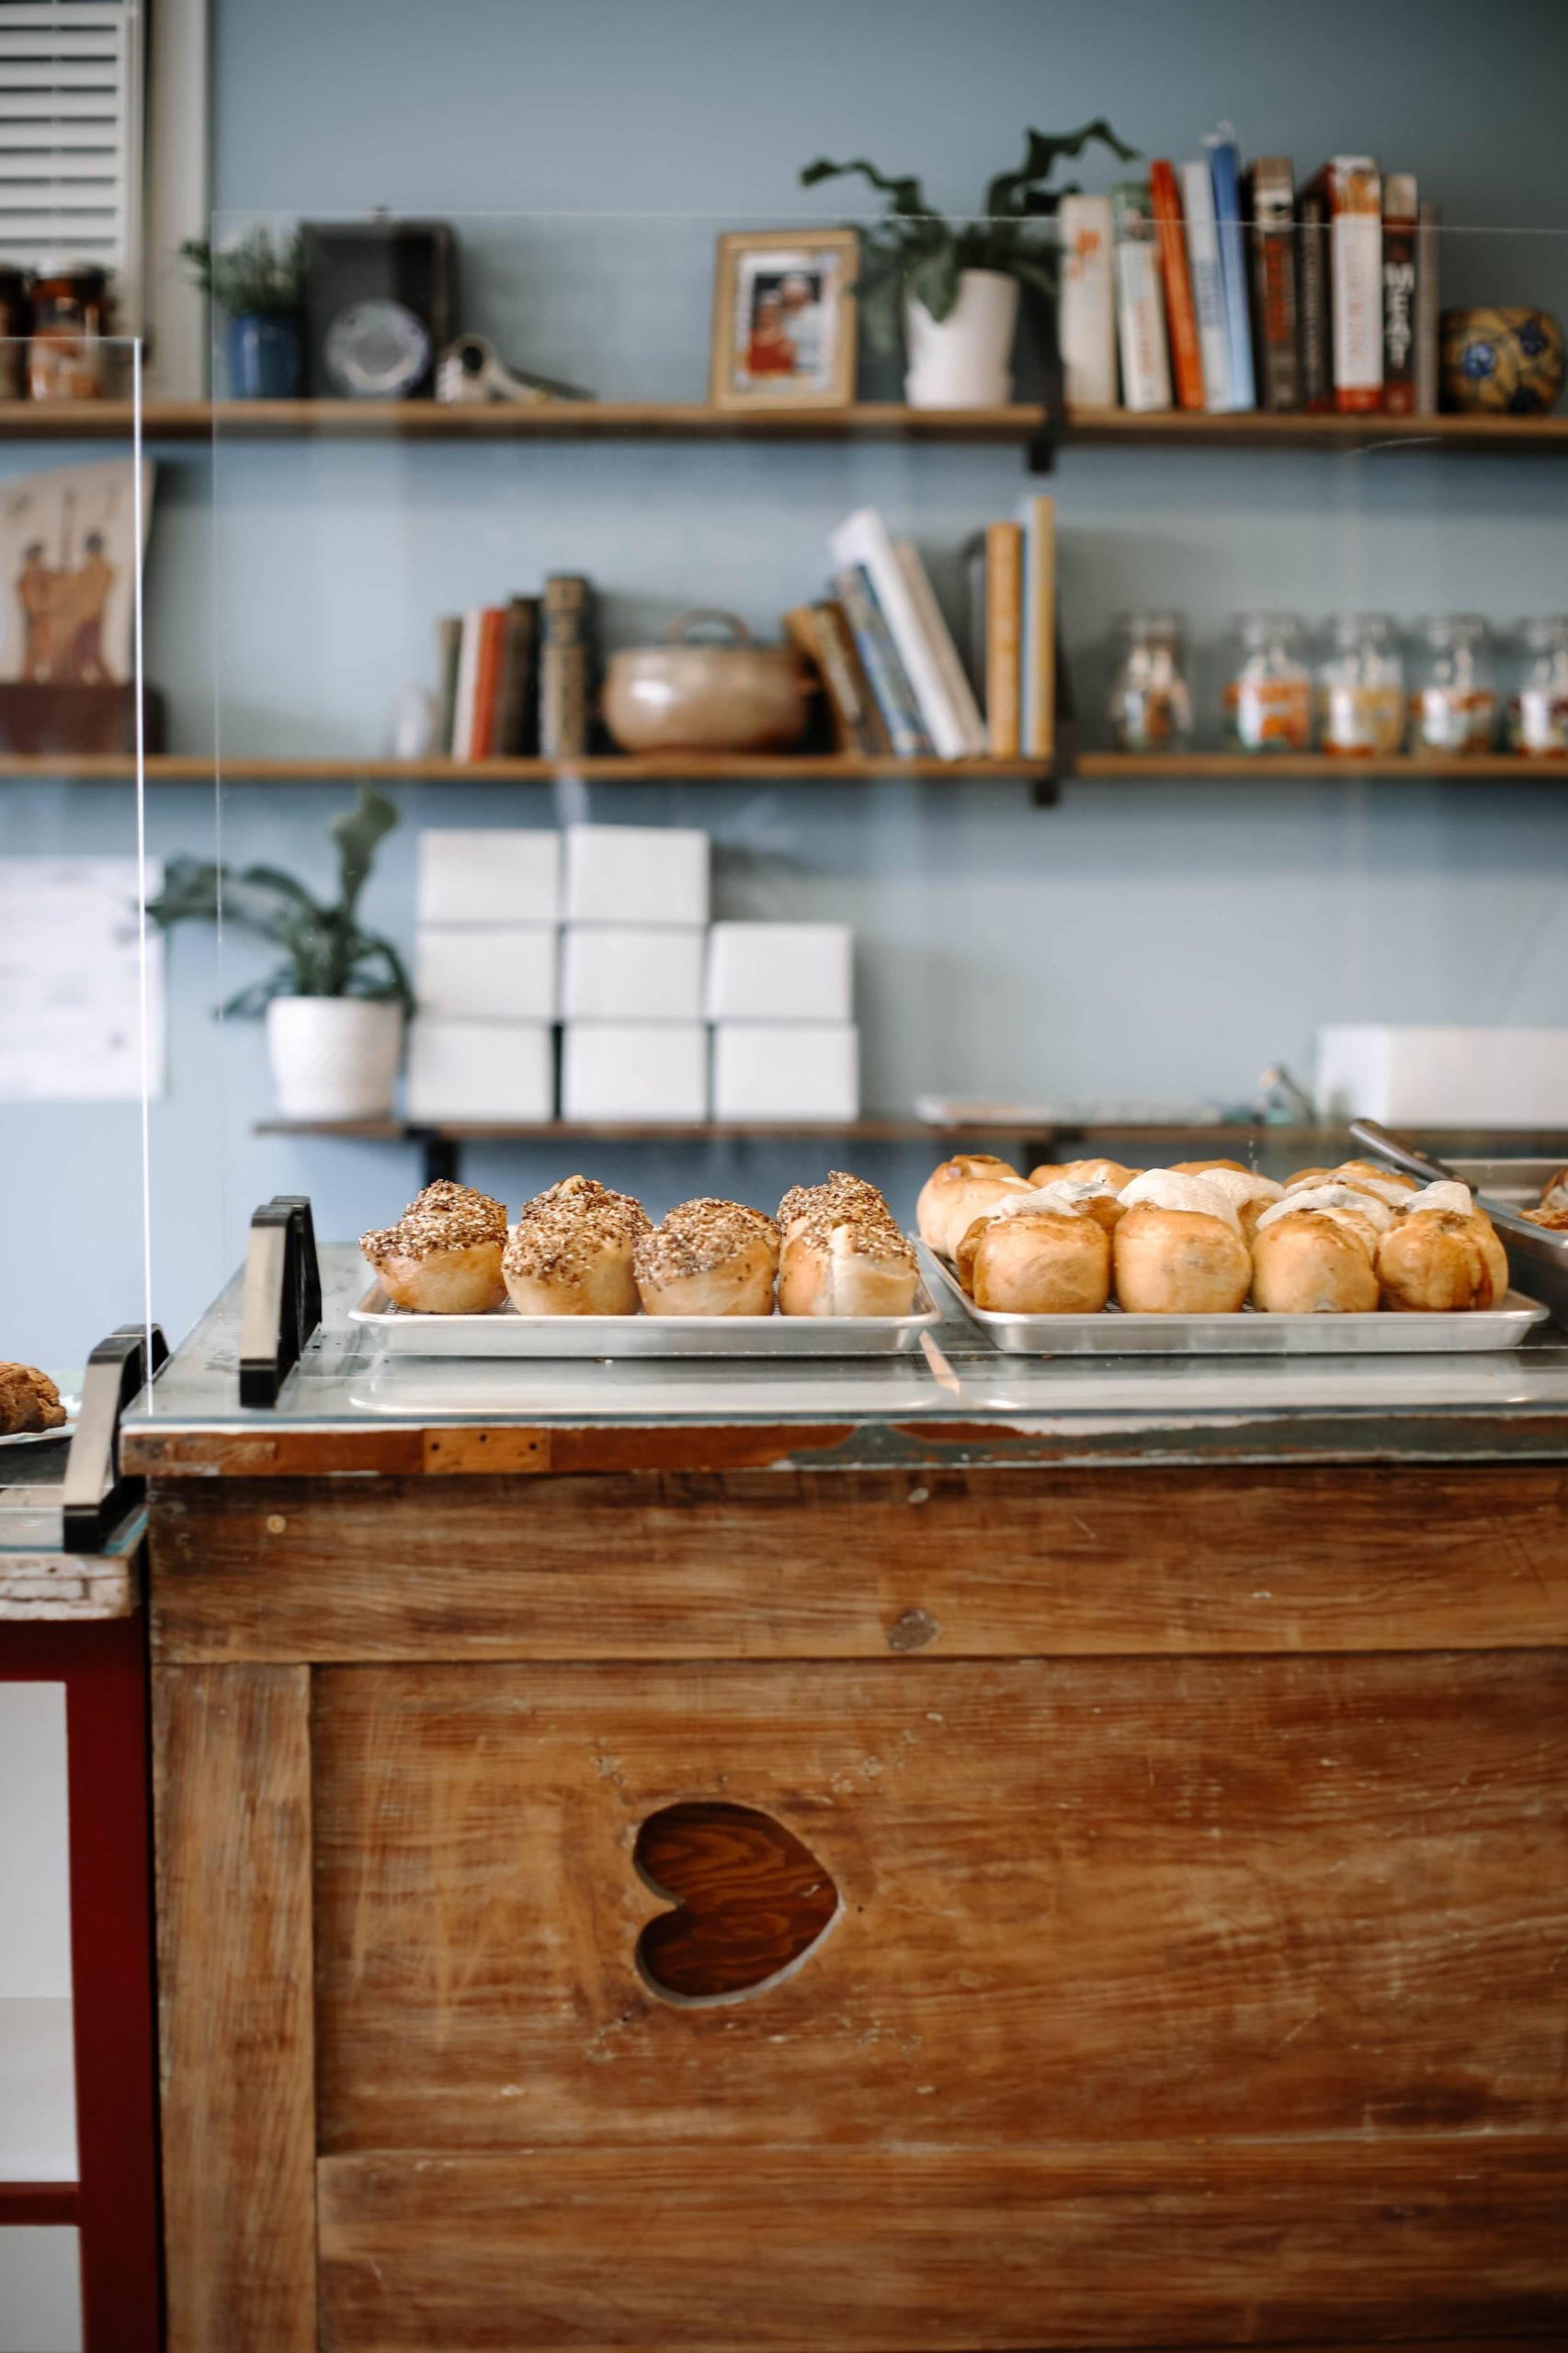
column 1077, row 1903
column 911, row 2251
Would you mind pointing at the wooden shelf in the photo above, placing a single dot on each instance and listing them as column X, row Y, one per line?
column 1020, row 422
column 1208, row 1140
column 693, row 767
column 1113, row 767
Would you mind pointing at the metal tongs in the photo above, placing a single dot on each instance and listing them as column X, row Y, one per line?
column 1538, row 1258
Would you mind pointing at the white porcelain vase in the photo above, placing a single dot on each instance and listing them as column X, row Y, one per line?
column 962, row 361
column 333, row 1057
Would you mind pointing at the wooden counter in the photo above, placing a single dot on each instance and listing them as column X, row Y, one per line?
column 1114, row 1885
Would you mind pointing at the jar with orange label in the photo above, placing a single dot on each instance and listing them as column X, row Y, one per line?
column 66, row 359
column 1269, row 694
column 1361, row 687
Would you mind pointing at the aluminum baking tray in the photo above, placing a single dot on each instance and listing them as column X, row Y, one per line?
column 504, row 1332
column 1248, row 1333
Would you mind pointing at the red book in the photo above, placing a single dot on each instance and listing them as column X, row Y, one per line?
column 487, row 680
column 1186, row 357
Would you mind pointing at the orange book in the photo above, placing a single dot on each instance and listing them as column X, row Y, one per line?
column 1186, row 357
column 1003, row 637
column 487, row 680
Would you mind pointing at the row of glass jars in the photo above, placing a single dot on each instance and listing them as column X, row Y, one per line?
column 1363, row 693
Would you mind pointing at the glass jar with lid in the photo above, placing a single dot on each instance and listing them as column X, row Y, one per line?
column 1361, row 687
column 1453, row 696
column 1151, row 701
column 1267, row 694
column 70, row 317
column 1538, row 707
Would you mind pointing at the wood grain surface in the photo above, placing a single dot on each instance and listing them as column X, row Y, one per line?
column 232, row 1781
column 906, row 2250
column 864, row 1565
column 1083, row 1901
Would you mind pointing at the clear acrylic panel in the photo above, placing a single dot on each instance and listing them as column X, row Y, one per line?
column 1124, row 938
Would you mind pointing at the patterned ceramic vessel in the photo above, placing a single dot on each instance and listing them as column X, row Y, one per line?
column 1508, row 359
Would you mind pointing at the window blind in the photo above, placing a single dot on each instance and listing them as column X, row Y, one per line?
column 71, row 138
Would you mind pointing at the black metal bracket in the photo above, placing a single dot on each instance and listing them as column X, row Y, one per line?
column 281, row 1304
column 442, row 1155
column 93, row 1496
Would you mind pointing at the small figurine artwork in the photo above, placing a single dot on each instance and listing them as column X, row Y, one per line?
column 68, row 562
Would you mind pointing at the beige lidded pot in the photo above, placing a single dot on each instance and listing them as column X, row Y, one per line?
column 738, row 697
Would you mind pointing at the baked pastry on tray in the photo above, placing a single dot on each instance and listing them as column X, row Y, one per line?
column 443, row 1256
column 572, row 1251
column 30, row 1402
column 845, row 1253
column 708, row 1257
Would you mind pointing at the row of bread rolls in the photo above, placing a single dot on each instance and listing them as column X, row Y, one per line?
column 1205, row 1237
column 580, row 1249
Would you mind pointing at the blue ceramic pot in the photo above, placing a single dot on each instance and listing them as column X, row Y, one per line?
column 264, row 356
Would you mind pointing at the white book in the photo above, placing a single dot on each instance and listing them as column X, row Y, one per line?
column 961, row 694
column 1208, row 285
column 1141, row 316
column 863, row 539
column 467, row 679
column 1087, row 313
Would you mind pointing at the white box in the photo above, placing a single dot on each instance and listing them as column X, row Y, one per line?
column 654, row 874
column 634, row 1070
column 781, row 972
column 786, row 1070
column 1444, row 1077
column 631, row 973
column 479, row 1070
column 487, row 971
column 490, row 876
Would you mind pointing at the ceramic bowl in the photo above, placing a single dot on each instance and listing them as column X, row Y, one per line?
column 737, row 697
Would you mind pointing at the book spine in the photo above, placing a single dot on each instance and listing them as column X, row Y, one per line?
column 1317, row 341
column 879, row 658
column 863, row 539
column 1087, row 313
column 1145, row 372
column 517, row 706
column 1187, row 359
column 1004, row 637
column 448, row 651
column 1399, row 294
column 1428, row 302
column 1278, row 364
column 487, row 681
column 1037, row 516
column 467, row 678
column 962, row 720
column 800, row 629
column 565, row 668
column 1208, row 290
column 1225, row 167
column 1356, row 283
column 835, row 642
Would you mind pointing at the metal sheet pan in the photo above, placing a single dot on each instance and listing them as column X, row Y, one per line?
column 504, row 1332
column 1113, row 1333
column 1537, row 1256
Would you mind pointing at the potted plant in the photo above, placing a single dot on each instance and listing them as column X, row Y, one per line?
column 335, row 1005
column 260, row 288
column 945, row 293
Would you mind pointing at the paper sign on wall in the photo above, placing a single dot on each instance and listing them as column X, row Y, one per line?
column 70, row 981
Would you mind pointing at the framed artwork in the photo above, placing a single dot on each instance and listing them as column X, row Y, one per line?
column 784, row 319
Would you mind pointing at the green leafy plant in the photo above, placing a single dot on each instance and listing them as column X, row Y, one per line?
column 252, row 275
column 325, row 951
column 918, row 252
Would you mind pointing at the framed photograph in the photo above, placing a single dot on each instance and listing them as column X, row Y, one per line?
column 784, row 319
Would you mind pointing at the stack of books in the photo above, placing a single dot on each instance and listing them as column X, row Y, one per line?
column 519, row 678
column 894, row 681
column 1209, row 287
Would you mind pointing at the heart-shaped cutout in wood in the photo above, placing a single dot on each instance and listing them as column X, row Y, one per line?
column 752, row 1902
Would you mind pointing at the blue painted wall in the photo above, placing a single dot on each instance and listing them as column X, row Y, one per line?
column 1155, row 940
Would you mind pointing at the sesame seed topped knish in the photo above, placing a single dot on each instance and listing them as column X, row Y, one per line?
column 699, row 1236
column 444, row 1217
column 564, row 1231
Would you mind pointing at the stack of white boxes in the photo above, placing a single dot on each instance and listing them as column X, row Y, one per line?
column 781, row 996
column 636, row 905
column 481, row 1046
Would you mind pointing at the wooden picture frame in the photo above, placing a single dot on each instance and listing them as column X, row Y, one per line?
column 784, row 323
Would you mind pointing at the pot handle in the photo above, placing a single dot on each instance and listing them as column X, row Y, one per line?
column 702, row 616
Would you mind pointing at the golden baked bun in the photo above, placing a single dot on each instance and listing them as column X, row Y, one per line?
column 1314, row 1253
column 572, row 1251
column 1204, row 1167
column 1442, row 1255
column 708, row 1257
column 1045, row 1262
column 935, row 1212
column 443, row 1256
column 1083, row 1171
column 843, row 1253
column 1068, row 1197
column 1178, row 1249
column 30, row 1402
column 1382, row 1184
column 1248, row 1193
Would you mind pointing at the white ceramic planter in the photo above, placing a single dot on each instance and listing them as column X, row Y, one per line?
column 333, row 1057
column 961, row 361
